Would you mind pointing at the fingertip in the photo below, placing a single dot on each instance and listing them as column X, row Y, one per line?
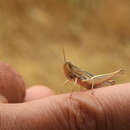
column 37, row 92
column 12, row 86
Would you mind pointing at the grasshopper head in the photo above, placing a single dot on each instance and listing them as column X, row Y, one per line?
column 68, row 70
column 67, row 67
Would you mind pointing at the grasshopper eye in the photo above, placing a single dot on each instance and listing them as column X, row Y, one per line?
column 70, row 66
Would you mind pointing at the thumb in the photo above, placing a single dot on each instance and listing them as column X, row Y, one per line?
column 108, row 108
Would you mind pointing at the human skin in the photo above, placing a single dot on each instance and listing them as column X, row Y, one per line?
column 108, row 108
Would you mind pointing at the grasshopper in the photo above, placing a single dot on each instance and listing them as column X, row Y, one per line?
column 86, row 79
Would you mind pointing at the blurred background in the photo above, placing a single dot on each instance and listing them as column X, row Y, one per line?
column 95, row 36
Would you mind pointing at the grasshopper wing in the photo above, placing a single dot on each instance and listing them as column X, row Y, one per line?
column 104, row 79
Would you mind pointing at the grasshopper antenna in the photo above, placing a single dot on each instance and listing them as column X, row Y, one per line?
column 64, row 54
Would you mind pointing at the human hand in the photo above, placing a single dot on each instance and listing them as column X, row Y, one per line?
column 107, row 109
